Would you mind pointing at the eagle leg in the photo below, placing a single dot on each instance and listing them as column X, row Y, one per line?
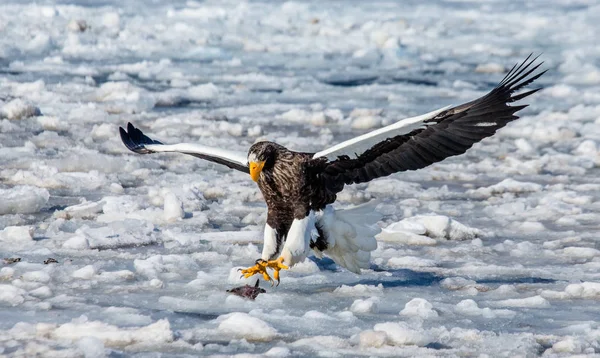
column 261, row 267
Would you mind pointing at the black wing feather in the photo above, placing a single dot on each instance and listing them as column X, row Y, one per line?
column 449, row 133
column 135, row 140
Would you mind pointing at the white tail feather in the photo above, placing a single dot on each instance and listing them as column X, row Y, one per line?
column 349, row 245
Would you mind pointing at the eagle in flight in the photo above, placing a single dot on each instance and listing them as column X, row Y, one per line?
column 299, row 187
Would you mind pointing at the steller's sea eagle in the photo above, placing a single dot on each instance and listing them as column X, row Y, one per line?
column 299, row 187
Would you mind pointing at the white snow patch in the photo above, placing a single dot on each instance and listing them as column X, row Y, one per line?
column 242, row 325
column 78, row 242
column 92, row 347
column 529, row 302
column 410, row 261
column 85, row 273
column 359, row 290
column 568, row 345
column 113, row 336
column 85, row 210
column 203, row 92
column 278, row 352
column 584, row 290
column 18, row 109
column 506, row 186
column 433, row 226
column 36, row 276
column 6, row 273
column 375, row 339
column 12, row 295
column 489, row 68
column 321, row 343
column 369, row 305
column 23, row 199
column 419, row 307
column 401, row 334
column 17, row 234
column 471, row 308
column 173, row 208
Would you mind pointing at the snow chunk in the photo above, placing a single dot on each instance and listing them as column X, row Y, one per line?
column 129, row 232
column 580, row 252
column 36, row 276
column 568, row 345
column 366, row 122
column 505, row 186
column 242, row 325
column 85, row 273
column 278, row 352
column 78, row 242
column 41, row 292
column 489, row 68
column 91, row 347
column 112, row 22
column 587, row 147
column 461, row 283
column 18, row 109
column 301, row 116
column 584, row 290
column 12, row 295
column 471, row 308
column 433, row 226
column 171, row 265
column 406, row 232
column 85, row 210
column 359, row 290
column 410, row 261
column 173, row 208
column 113, row 336
column 203, row 92
column 322, row 343
column 369, row 305
column 419, row 307
column 400, row 334
column 23, row 200
column 306, row 267
column 376, row 339
column 124, row 97
column 6, row 273
column 125, row 316
column 17, row 234
column 535, row 301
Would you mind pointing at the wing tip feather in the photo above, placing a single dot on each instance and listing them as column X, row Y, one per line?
column 521, row 75
column 135, row 140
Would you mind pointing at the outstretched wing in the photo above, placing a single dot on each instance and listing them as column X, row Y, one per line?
column 417, row 142
column 138, row 142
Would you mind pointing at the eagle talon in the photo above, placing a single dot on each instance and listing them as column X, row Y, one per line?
column 261, row 267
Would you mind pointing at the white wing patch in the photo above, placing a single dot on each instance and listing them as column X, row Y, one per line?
column 360, row 144
column 238, row 157
column 485, row 124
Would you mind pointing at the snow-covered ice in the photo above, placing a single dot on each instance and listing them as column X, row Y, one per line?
column 493, row 253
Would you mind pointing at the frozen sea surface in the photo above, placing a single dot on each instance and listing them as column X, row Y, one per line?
column 493, row 253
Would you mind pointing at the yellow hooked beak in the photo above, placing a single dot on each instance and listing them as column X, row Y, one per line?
column 255, row 169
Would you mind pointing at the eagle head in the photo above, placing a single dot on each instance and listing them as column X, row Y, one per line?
column 260, row 156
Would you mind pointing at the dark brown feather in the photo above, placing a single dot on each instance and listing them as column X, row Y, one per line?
column 449, row 133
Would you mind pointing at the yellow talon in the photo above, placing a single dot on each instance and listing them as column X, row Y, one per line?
column 261, row 267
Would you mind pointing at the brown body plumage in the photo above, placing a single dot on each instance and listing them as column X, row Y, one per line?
column 290, row 186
